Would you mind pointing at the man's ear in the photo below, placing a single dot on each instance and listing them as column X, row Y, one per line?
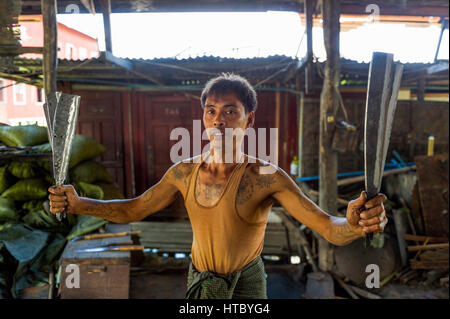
column 250, row 119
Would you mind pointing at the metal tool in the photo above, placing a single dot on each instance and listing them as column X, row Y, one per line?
column 382, row 91
column 61, row 113
column 107, row 235
column 111, row 248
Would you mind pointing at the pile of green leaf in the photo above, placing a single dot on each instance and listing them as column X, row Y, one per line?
column 31, row 239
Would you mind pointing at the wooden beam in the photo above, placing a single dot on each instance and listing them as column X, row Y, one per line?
column 5, row 50
column 89, row 5
column 50, row 59
column 328, row 99
column 427, row 247
column 428, row 264
column 424, row 238
column 309, row 5
column 105, row 6
column 127, row 65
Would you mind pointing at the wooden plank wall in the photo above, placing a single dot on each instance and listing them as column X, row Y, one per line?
column 414, row 122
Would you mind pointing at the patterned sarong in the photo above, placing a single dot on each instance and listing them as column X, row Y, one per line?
column 246, row 283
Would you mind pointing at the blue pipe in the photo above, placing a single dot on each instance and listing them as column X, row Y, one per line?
column 392, row 165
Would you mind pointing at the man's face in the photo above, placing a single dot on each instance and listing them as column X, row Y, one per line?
column 225, row 111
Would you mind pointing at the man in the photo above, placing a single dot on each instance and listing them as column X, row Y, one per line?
column 228, row 201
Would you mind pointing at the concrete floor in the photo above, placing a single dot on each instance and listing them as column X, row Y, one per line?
column 281, row 284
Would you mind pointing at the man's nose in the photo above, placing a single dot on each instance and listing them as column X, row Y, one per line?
column 219, row 122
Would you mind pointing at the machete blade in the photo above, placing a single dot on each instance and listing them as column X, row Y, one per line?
column 382, row 92
column 61, row 113
column 378, row 94
column 391, row 108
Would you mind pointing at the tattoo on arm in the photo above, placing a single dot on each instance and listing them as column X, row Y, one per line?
column 148, row 196
column 245, row 190
column 340, row 232
column 112, row 210
column 180, row 174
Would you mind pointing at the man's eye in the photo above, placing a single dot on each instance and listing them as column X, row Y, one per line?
column 210, row 111
column 230, row 112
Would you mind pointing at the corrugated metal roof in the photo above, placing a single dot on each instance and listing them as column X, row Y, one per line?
column 170, row 71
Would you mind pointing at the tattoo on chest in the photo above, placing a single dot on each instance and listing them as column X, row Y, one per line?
column 208, row 191
column 264, row 181
column 245, row 190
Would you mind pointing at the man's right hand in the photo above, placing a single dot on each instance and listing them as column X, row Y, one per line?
column 62, row 198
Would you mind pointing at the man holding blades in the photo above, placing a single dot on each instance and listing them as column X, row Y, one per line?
column 228, row 199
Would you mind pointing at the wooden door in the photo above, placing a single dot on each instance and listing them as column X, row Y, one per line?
column 100, row 118
column 162, row 115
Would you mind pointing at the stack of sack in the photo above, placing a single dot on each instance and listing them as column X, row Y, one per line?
column 31, row 239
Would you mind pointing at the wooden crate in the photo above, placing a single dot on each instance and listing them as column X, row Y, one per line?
column 103, row 275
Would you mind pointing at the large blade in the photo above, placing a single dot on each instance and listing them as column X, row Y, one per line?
column 392, row 106
column 383, row 86
column 49, row 110
column 378, row 96
column 62, row 129
column 64, row 124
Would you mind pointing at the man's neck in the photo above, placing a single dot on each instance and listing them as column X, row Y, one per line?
column 219, row 162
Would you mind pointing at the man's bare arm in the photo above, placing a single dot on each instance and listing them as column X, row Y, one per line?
column 151, row 201
column 336, row 230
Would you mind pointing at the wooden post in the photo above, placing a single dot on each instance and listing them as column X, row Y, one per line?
column 106, row 10
column 277, row 121
column 328, row 99
column 421, row 87
column 285, row 137
column 50, row 57
column 300, row 106
column 308, row 5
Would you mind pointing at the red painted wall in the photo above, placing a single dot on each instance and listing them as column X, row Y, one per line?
column 72, row 44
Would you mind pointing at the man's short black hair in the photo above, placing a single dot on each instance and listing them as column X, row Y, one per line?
column 231, row 83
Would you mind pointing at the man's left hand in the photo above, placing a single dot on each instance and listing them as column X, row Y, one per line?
column 367, row 216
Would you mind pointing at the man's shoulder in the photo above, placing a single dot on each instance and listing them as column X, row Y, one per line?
column 260, row 166
column 184, row 167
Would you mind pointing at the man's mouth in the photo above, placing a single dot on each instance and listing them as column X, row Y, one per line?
column 218, row 133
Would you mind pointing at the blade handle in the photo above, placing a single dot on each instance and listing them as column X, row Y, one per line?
column 61, row 216
column 371, row 193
